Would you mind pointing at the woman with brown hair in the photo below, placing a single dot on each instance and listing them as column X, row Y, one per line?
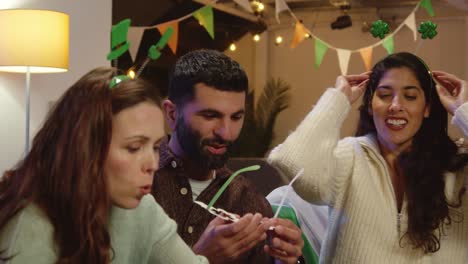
column 94, row 157
column 396, row 191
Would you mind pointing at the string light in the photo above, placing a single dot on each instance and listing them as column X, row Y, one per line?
column 232, row 47
column 256, row 37
column 261, row 7
column 278, row 40
column 307, row 35
column 258, row 6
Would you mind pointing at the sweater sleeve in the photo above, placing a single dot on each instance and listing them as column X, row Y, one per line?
column 314, row 146
column 32, row 240
column 168, row 247
column 460, row 118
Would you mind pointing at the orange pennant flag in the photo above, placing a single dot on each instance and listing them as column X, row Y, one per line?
column 366, row 54
column 299, row 34
column 172, row 43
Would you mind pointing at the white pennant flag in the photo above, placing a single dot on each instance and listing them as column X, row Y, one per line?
column 135, row 34
column 343, row 58
column 245, row 4
column 280, row 6
column 411, row 23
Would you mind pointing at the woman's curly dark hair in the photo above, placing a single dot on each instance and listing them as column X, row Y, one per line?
column 424, row 164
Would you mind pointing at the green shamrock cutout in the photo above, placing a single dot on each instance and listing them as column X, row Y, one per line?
column 427, row 30
column 379, row 29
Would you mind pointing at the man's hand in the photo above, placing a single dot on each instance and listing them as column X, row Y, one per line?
column 287, row 244
column 222, row 241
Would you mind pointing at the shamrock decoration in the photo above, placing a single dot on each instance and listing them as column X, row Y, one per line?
column 379, row 29
column 427, row 30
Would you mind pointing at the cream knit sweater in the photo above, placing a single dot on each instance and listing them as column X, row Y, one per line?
column 352, row 178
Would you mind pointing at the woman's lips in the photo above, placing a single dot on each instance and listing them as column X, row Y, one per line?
column 145, row 189
column 396, row 123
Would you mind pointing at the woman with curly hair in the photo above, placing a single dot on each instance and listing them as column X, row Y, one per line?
column 80, row 194
column 396, row 190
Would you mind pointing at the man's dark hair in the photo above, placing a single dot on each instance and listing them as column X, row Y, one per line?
column 210, row 67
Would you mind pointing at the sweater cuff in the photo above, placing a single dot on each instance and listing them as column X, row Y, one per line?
column 334, row 105
column 460, row 118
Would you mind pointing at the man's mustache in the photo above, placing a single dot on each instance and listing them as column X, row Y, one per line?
column 216, row 141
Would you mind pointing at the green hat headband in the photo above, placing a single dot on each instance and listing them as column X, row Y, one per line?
column 119, row 44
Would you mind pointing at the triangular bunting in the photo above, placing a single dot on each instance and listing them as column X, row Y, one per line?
column 411, row 23
column 135, row 34
column 175, row 35
column 245, row 4
column 388, row 44
column 320, row 50
column 299, row 34
column 343, row 59
column 204, row 16
column 427, row 4
column 280, row 6
column 366, row 54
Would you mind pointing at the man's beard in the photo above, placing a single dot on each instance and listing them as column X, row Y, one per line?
column 194, row 147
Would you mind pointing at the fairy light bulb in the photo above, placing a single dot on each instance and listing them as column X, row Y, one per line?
column 279, row 40
column 131, row 74
column 256, row 37
column 232, row 47
column 307, row 35
column 260, row 7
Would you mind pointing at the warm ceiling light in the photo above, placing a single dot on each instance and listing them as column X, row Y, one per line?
column 258, row 6
column 232, row 47
column 279, row 39
column 261, row 7
column 256, row 37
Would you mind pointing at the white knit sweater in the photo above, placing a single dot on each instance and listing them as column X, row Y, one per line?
column 351, row 176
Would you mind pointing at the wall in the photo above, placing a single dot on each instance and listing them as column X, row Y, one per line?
column 90, row 23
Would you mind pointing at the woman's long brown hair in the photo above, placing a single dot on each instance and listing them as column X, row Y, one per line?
column 63, row 172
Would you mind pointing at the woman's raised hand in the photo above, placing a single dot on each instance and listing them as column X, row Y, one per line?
column 353, row 86
column 451, row 90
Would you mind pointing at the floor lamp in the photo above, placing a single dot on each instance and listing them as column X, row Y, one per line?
column 33, row 41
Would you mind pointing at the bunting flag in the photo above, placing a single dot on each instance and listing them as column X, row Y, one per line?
column 245, row 4
column 175, row 35
column 299, row 34
column 204, row 16
column 135, row 34
column 410, row 22
column 427, row 4
column 366, row 54
column 320, row 50
column 388, row 44
column 280, row 6
column 343, row 59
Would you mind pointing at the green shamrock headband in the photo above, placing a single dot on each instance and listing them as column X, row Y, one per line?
column 120, row 45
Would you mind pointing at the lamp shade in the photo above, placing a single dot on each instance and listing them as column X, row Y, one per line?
column 37, row 39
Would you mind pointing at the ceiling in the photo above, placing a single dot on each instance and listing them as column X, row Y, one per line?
column 231, row 23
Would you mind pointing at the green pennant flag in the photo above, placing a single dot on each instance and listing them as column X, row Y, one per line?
column 320, row 50
column 388, row 44
column 205, row 17
column 427, row 4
